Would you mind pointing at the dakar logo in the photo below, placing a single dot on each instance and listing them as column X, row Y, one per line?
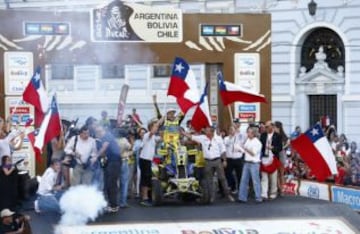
column 313, row 191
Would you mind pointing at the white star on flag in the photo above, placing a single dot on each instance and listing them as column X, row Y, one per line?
column 37, row 76
column 179, row 67
column 314, row 132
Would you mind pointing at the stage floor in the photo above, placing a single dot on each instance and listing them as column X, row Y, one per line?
column 294, row 212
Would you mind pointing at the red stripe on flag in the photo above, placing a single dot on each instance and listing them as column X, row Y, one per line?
column 31, row 137
column 229, row 97
column 184, row 104
column 312, row 157
column 177, row 87
column 199, row 120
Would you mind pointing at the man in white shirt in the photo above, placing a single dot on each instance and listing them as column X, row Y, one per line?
column 234, row 156
column 146, row 156
column 49, row 192
column 83, row 148
column 214, row 152
column 252, row 150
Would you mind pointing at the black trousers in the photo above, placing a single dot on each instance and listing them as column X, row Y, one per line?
column 237, row 166
column 111, row 178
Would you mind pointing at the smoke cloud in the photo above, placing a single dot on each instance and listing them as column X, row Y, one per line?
column 80, row 204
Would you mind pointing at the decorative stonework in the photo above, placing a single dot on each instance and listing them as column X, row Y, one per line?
column 321, row 72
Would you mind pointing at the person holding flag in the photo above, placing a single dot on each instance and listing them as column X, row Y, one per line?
column 212, row 145
column 315, row 150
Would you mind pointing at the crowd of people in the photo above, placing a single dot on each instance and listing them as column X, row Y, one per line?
column 118, row 160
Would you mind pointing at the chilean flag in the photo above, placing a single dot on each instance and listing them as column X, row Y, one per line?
column 50, row 127
column 36, row 95
column 183, row 85
column 230, row 93
column 32, row 137
column 31, row 134
column 316, row 152
column 201, row 118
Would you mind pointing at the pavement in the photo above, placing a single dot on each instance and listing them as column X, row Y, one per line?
column 283, row 208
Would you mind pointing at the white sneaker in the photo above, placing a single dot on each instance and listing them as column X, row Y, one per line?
column 36, row 206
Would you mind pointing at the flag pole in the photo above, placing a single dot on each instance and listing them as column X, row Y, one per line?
column 230, row 113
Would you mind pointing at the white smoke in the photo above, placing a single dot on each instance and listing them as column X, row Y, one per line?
column 80, row 204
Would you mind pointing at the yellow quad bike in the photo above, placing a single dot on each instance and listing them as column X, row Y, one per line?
column 179, row 175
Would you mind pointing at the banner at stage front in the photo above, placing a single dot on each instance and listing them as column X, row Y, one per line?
column 121, row 105
column 347, row 196
column 293, row 226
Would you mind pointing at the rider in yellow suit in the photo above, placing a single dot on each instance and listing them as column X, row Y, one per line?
column 170, row 129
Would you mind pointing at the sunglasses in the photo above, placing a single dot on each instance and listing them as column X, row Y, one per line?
column 209, row 146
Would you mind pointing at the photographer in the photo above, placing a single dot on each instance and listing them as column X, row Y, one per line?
column 82, row 148
column 13, row 223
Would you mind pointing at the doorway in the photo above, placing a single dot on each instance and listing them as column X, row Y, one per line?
column 320, row 105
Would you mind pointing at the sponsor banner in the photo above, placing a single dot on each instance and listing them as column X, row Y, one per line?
column 246, row 108
column 21, row 112
column 299, row 226
column 18, row 69
column 291, row 187
column 48, row 28
column 131, row 22
column 314, row 190
column 210, row 30
column 348, row 196
column 247, row 75
column 214, row 113
column 247, row 115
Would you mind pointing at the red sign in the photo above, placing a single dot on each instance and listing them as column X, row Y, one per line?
column 20, row 110
column 247, row 115
column 213, row 118
column 290, row 187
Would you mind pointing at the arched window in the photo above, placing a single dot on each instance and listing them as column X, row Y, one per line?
column 333, row 48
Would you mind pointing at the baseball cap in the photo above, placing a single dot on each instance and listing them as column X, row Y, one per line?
column 6, row 213
column 170, row 110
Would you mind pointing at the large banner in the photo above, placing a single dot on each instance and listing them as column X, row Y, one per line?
column 129, row 22
column 348, row 196
column 247, row 75
column 298, row 226
column 18, row 69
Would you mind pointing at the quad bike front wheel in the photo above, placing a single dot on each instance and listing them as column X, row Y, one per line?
column 156, row 192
